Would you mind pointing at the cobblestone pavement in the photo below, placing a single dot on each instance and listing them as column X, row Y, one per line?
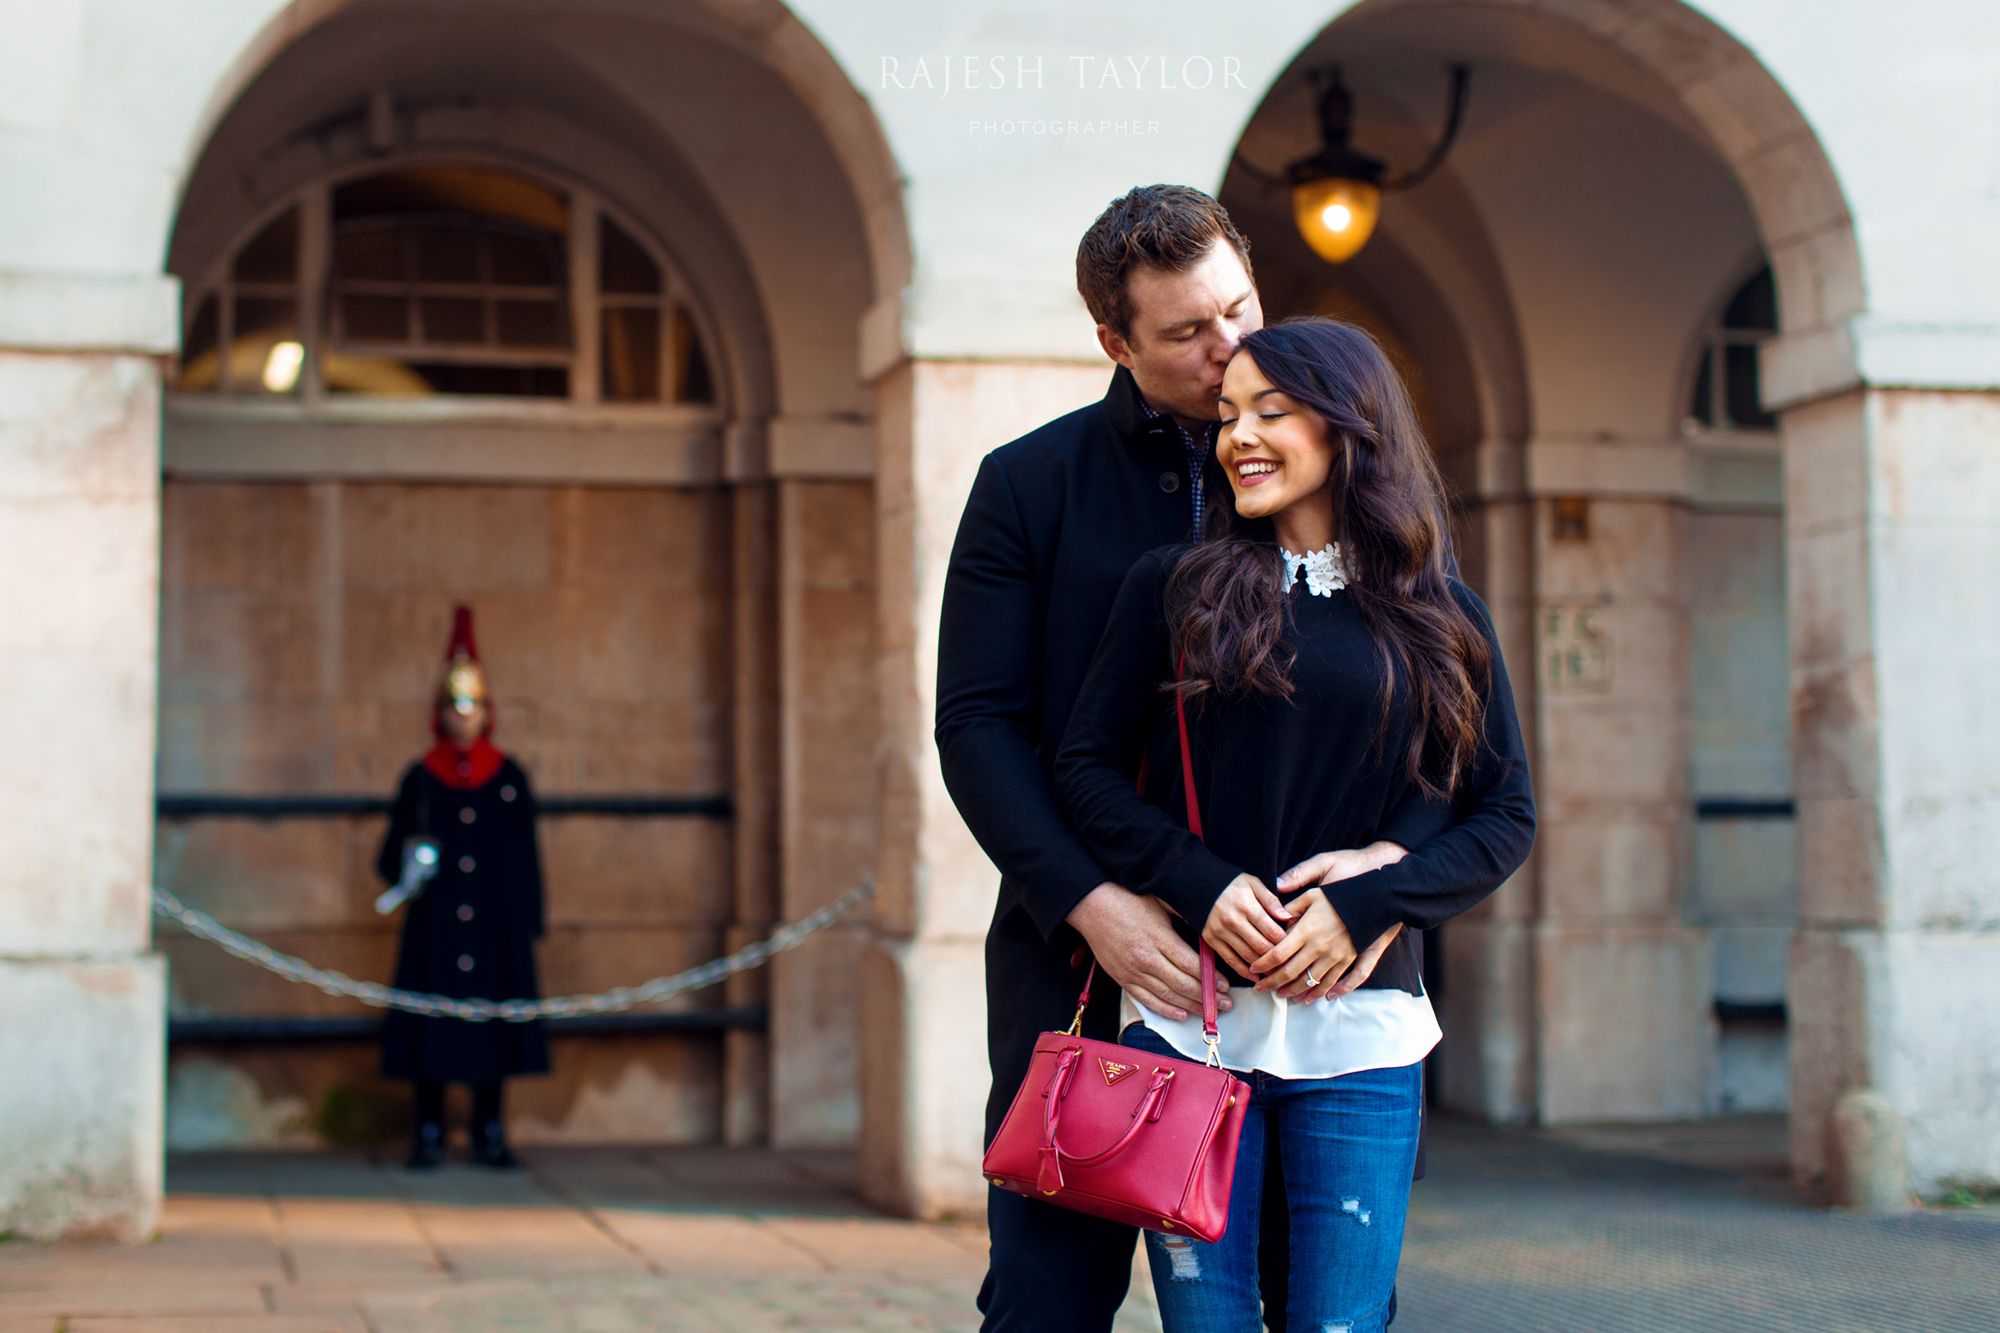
column 1608, row 1229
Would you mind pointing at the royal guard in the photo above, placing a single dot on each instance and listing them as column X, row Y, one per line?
column 463, row 864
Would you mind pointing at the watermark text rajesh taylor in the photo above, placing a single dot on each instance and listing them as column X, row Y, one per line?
column 945, row 75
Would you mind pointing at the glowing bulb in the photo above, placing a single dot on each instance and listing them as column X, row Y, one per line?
column 281, row 367
column 1335, row 215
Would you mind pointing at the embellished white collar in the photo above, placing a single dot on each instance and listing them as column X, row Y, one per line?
column 1325, row 573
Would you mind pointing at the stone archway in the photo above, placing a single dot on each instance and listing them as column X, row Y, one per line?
column 804, row 464
column 1867, row 920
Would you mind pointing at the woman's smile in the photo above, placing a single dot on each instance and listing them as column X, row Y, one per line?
column 1255, row 471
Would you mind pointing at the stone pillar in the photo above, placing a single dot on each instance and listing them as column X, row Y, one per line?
column 923, row 1001
column 824, row 542
column 80, row 1102
column 1624, row 988
column 1486, row 1064
column 1892, row 518
column 753, row 791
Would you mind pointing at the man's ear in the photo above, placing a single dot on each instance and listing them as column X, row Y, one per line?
column 1115, row 346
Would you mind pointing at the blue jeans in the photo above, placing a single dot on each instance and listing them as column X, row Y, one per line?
column 1349, row 1146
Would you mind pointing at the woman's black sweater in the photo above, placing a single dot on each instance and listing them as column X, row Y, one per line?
column 1280, row 780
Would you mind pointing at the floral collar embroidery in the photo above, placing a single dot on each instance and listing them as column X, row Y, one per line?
column 1325, row 574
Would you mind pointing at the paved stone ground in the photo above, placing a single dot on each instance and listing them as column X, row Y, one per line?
column 1657, row 1229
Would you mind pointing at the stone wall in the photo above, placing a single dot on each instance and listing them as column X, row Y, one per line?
column 302, row 627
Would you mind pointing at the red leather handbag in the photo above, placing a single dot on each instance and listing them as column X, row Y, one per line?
column 1124, row 1134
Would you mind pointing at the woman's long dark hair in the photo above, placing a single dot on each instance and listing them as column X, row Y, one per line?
column 1227, row 600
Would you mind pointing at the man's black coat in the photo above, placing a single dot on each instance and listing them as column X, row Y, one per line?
column 471, row 933
column 1055, row 521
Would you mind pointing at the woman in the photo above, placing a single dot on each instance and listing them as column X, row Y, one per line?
column 469, row 932
column 1341, row 690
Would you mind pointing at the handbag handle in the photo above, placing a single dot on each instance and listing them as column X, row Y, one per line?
column 1209, row 1034
column 1049, row 1178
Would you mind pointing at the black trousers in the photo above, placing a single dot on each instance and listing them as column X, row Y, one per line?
column 486, row 1102
column 1050, row 1269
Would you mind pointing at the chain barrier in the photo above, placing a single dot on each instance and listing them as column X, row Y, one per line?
column 200, row 924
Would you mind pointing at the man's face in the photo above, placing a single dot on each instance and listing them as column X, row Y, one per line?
column 1185, row 327
column 464, row 721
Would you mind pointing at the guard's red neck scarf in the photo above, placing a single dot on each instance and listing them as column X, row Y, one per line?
column 464, row 769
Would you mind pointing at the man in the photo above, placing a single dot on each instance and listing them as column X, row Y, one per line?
column 1054, row 522
column 470, row 932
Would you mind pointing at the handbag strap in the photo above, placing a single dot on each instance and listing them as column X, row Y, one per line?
column 1209, row 1033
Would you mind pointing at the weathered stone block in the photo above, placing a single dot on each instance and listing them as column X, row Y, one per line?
column 923, row 1077
column 1611, row 867
column 1487, row 1060
column 269, row 874
column 81, row 1099
column 1830, row 991
column 636, row 872
column 475, row 539
column 1627, row 1022
column 815, row 1027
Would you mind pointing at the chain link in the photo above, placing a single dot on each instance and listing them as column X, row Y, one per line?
column 660, row 989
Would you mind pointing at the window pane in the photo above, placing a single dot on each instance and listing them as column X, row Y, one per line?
column 199, row 363
column 450, row 319
column 447, row 254
column 374, row 254
column 631, row 356
column 692, row 382
column 625, row 265
column 265, row 354
column 1755, row 306
column 379, row 377
column 520, row 260
column 503, row 381
column 273, row 254
column 531, row 324
column 468, row 191
column 1702, row 406
column 1741, row 384
column 375, row 319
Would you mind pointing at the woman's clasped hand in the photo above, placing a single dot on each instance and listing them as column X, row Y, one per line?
column 1300, row 950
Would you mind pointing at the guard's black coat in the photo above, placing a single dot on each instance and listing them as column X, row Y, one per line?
column 483, row 908
column 1054, row 523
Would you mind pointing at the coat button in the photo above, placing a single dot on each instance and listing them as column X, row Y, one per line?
column 465, row 962
column 465, row 864
column 507, row 792
column 465, row 911
column 467, row 814
column 1170, row 482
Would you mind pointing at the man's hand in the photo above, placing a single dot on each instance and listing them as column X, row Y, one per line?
column 1134, row 940
column 1245, row 921
column 1329, row 868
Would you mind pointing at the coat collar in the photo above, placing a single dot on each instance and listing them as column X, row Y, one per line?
column 1125, row 409
column 464, row 770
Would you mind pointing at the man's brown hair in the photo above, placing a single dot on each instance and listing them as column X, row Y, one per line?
column 1167, row 226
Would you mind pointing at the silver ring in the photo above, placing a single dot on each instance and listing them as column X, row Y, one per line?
column 1311, row 980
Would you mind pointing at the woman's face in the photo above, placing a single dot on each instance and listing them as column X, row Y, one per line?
column 463, row 727
column 1274, row 451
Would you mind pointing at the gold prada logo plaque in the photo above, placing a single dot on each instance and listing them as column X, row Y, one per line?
column 1113, row 1071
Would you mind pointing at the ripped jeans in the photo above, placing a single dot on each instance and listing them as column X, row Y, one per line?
column 1349, row 1145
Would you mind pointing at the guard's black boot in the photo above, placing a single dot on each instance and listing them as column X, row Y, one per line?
column 426, row 1146
column 489, row 1146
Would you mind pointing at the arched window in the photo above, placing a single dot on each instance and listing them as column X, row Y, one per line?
column 1726, row 394
column 446, row 281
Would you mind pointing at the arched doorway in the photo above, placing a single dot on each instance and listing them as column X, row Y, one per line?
column 517, row 327
column 1554, row 284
